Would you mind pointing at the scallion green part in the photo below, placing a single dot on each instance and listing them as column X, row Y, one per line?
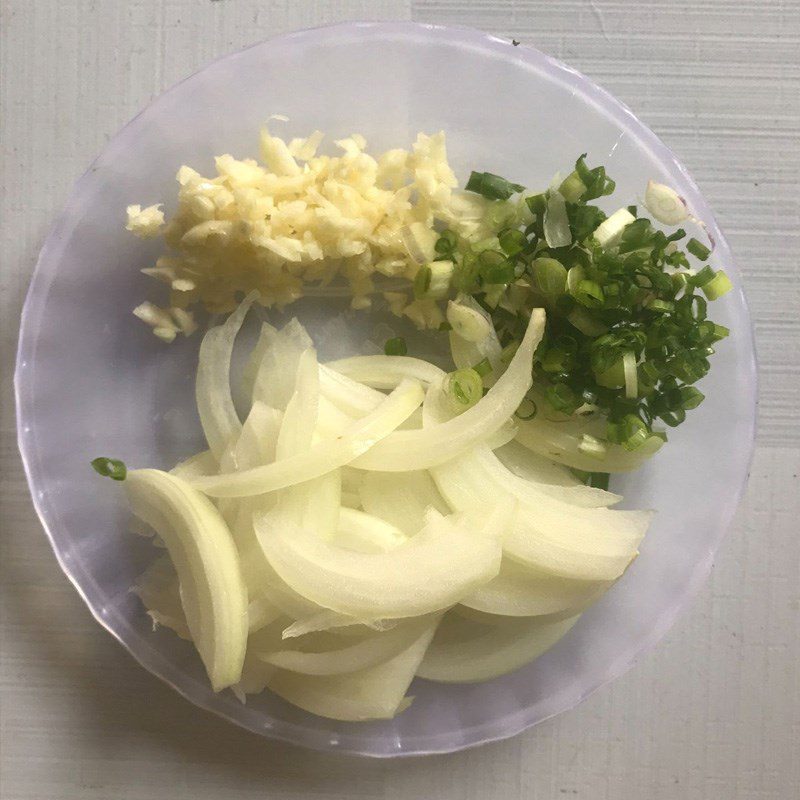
column 698, row 249
column 491, row 186
column 395, row 347
column 719, row 285
column 483, row 367
column 110, row 468
column 627, row 331
column 422, row 282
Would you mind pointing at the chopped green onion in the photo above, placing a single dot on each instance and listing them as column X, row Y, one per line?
column 703, row 277
column 549, row 277
column 556, row 360
column 464, row 388
column 631, row 376
column 719, row 285
column 445, row 326
column 562, row 398
column 572, row 188
column 698, row 249
column 395, row 347
column 422, row 282
column 512, row 241
column 631, row 432
column 483, row 367
column 495, row 267
column 598, row 480
column 585, row 323
column 537, row 203
column 507, row 353
column 662, row 306
column 589, row 294
column 574, row 277
column 110, row 468
column 690, row 397
column 596, row 182
column 446, row 243
column 492, row 187
column 527, row 410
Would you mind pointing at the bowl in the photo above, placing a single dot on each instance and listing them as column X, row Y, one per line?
column 92, row 381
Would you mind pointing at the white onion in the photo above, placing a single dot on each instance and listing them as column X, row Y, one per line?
column 521, row 592
column 367, row 533
column 442, row 563
column 410, row 450
column 205, row 558
column 386, row 372
column 374, row 693
column 464, row 651
column 324, row 456
column 401, row 498
column 367, row 651
column 221, row 424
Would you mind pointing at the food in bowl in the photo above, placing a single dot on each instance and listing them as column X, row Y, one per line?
column 376, row 518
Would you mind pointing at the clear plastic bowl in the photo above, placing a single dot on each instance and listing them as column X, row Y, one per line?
column 93, row 381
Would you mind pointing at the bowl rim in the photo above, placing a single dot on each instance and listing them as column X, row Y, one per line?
column 622, row 115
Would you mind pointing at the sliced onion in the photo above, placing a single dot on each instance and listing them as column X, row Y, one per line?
column 221, row 424
column 200, row 545
column 202, row 463
column 347, row 395
column 525, row 490
column 260, row 613
column 524, row 463
column 300, row 417
column 561, row 441
column 259, row 438
column 323, row 457
column 274, row 381
column 386, row 372
column 343, row 625
column 373, row 693
column 411, row 450
column 443, row 562
column 158, row 589
column 546, row 534
column 367, row 533
column 350, row 656
column 401, row 498
column 521, row 592
column 464, row 651
column 255, row 673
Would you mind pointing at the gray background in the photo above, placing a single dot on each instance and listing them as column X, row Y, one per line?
column 714, row 711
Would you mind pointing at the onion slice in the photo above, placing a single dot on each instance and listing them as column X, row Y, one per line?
column 386, row 372
column 465, row 651
column 367, row 651
column 221, row 424
column 401, row 498
column 442, row 563
column 521, row 592
column 420, row 449
column 323, row 457
column 201, row 548
column 374, row 693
